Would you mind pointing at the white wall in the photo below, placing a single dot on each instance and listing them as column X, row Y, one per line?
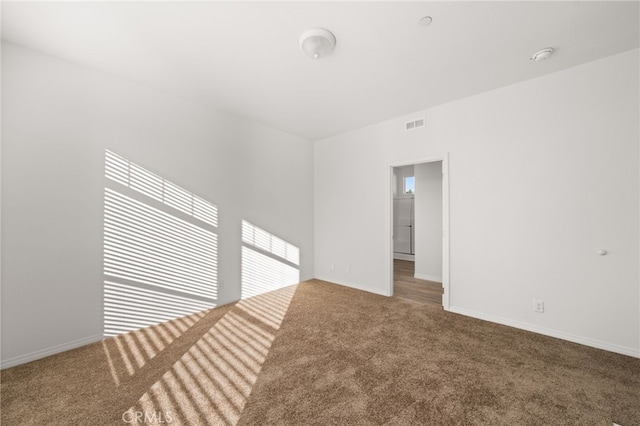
column 542, row 174
column 428, row 221
column 57, row 121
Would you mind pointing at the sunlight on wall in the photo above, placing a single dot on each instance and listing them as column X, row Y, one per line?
column 160, row 266
column 160, row 249
column 136, row 308
column 268, row 262
column 129, row 174
column 211, row 382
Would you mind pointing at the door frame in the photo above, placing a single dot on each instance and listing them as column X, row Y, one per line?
column 445, row 222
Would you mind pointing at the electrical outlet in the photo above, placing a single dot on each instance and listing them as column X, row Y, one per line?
column 538, row 306
column 348, row 269
column 333, row 266
column 220, row 284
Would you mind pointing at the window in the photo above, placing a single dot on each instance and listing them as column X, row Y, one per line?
column 409, row 185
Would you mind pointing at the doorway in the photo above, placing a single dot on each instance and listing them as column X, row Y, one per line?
column 404, row 213
column 418, row 239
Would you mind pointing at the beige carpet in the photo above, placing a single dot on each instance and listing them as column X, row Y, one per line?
column 319, row 353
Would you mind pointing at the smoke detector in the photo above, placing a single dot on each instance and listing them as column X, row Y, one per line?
column 425, row 21
column 543, row 54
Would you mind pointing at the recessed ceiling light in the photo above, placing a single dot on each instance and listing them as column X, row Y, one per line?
column 425, row 21
column 543, row 54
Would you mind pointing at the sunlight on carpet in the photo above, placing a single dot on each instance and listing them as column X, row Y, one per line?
column 212, row 381
column 127, row 353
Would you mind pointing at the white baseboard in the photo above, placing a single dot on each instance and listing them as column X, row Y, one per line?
column 611, row 347
column 353, row 285
column 41, row 353
column 402, row 256
column 428, row 277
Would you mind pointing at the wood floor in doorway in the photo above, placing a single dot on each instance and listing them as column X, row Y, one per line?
column 406, row 286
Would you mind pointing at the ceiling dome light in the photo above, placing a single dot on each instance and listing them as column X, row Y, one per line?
column 543, row 54
column 317, row 42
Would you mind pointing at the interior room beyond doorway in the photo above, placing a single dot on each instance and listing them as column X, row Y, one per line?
column 417, row 232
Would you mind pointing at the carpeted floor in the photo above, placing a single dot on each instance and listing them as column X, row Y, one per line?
column 318, row 353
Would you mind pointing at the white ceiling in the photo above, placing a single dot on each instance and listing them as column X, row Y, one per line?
column 243, row 57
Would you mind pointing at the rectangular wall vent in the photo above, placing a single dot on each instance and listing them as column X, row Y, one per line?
column 414, row 124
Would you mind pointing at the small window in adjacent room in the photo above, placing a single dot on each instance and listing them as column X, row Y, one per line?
column 409, row 185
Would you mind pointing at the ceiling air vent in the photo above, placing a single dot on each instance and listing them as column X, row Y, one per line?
column 414, row 124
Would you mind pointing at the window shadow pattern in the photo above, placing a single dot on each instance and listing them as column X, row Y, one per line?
column 196, row 365
column 268, row 262
column 160, row 255
column 211, row 382
column 129, row 353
